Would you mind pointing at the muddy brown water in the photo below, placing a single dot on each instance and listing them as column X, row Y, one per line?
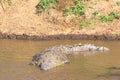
column 15, row 56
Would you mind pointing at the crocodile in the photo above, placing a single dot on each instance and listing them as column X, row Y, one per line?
column 57, row 55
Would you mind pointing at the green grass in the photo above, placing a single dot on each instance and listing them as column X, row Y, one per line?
column 117, row 3
column 9, row 2
column 105, row 18
column 83, row 24
column 95, row 13
column 43, row 4
column 110, row 17
column 115, row 14
column 67, row 12
column 118, row 35
column 77, row 9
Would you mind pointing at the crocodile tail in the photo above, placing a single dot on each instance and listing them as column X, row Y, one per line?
column 92, row 47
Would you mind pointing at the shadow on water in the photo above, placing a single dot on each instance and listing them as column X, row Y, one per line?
column 111, row 73
column 113, row 68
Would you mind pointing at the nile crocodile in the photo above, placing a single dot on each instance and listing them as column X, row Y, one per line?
column 57, row 55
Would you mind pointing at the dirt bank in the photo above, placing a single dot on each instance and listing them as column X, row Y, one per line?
column 60, row 37
column 20, row 21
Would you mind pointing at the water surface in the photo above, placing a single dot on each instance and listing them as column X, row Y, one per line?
column 15, row 56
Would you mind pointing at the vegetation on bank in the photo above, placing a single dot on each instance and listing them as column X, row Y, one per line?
column 83, row 24
column 110, row 17
column 43, row 4
column 77, row 9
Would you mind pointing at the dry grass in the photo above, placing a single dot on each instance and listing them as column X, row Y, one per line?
column 20, row 18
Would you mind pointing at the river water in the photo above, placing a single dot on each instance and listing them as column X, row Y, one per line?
column 15, row 56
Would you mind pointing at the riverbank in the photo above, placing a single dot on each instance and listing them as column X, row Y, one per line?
column 60, row 37
column 20, row 21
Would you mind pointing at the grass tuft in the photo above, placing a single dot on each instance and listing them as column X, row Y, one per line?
column 77, row 9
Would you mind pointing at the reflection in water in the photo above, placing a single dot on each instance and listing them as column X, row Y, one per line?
column 15, row 56
column 111, row 73
column 114, row 68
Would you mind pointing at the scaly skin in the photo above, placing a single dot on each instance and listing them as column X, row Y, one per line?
column 57, row 55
